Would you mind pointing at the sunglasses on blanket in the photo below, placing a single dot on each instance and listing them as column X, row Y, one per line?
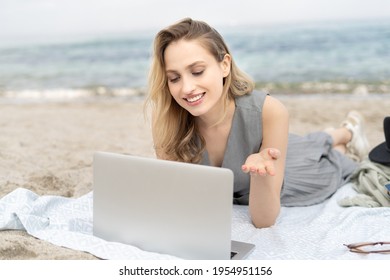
column 358, row 247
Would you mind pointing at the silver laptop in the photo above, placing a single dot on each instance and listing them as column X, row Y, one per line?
column 180, row 209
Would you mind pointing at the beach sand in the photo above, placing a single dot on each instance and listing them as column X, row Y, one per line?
column 48, row 147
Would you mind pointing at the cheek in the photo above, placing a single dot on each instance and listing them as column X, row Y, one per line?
column 217, row 79
column 218, row 83
column 173, row 90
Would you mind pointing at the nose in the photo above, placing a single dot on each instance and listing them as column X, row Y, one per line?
column 188, row 85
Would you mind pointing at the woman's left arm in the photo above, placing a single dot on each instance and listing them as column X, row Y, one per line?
column 267, row 167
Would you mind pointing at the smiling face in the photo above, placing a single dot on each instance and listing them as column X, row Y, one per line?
column 195, row 77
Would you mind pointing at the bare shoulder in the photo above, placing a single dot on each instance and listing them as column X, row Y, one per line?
column 275, row 127
column 274, row 109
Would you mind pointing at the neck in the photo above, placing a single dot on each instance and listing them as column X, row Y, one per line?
column 218, row 117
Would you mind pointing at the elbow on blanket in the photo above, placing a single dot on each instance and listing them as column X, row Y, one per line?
column 264, row 220
column 263, row 223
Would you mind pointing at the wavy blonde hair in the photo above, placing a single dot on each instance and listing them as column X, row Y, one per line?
column 175, row 133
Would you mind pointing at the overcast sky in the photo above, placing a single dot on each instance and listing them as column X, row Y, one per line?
column 26, row 18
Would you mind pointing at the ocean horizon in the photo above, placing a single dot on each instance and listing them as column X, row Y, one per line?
column 339, row 57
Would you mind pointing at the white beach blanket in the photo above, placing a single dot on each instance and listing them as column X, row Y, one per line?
column 314, row 232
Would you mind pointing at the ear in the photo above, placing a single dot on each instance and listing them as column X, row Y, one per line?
column 225, row 64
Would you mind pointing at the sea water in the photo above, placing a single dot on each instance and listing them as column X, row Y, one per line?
column 295, row 58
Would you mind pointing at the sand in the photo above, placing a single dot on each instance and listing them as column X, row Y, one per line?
column 47, row 147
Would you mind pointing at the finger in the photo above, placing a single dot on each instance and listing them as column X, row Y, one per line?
column 262, row 171
column 258, row 170
column 270, row 169
column 274, row 153
column 245, row 168
column 254, row 171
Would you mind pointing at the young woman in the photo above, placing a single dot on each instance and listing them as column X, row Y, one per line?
column 205, row 110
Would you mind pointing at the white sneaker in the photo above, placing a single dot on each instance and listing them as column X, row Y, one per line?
column 358, row 147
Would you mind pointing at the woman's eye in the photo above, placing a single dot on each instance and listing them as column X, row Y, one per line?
column 174, row 79
column 197, row 73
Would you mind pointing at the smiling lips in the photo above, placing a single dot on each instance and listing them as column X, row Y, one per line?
column 193, row 99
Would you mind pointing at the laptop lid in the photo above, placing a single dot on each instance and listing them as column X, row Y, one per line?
column 161, row 206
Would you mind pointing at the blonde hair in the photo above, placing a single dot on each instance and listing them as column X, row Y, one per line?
column 174, row 130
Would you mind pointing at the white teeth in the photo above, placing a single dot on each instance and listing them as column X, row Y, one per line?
column 195, row 98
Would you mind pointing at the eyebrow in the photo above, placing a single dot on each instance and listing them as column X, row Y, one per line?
column 188, row 67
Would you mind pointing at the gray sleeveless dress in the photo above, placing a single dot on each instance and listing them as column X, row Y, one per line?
column 314, row 171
